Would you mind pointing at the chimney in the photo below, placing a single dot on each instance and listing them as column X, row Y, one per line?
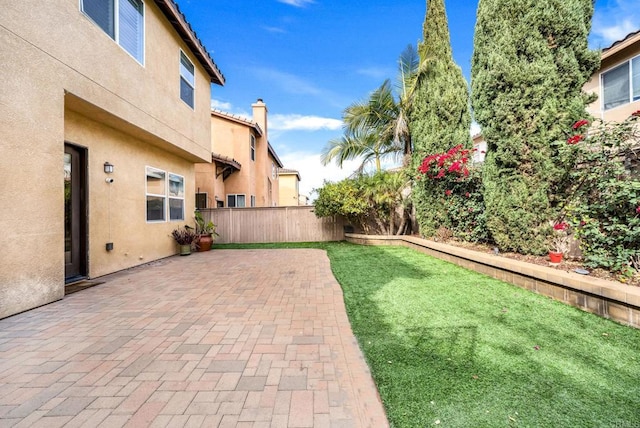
column 260, row 115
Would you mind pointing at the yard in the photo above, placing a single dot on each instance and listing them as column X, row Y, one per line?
column 451, row 347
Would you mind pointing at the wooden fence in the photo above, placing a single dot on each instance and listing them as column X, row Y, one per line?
column 277, row 224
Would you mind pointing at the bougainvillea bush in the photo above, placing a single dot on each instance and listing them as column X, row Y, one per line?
column 452, row 189
column 603, row 193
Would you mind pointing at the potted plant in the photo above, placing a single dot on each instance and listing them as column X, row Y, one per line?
column 559, row 242
column 185, row 238
column 205, row 232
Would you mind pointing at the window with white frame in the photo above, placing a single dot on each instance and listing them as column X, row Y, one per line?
column 176, row 197
column 253, row 147
column 236, row 201
column 122, row 20
column 621, row 85
column 156, row 191
column 165, row 194
column 253, row 200
column 273, row 170
column 187, row 80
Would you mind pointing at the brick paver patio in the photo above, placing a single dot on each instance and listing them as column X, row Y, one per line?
column 228, row 338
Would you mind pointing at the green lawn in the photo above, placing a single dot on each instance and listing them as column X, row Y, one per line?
column 454, row 348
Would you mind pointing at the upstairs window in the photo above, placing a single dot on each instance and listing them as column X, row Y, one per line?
column 122, row 20
column 621, row 85
column 187, row 80
column 253, row 147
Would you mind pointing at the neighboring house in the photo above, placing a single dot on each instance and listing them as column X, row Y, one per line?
column 105, row 111
column 244, row 168
column 289, row 187
column 617, row 82
column 479, row 148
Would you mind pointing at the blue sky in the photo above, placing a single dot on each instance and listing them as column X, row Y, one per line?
column 309, row 59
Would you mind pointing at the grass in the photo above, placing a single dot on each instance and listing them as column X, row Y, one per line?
column 454, row 348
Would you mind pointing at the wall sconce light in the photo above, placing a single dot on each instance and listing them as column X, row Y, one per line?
column 108, row 168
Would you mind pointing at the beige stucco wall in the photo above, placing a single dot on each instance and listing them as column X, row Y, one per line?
column 288, row 189
column 616, row 56
column 56, row 61
column 118, row 210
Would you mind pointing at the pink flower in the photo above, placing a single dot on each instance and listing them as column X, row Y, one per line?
column 638, row 210
column 560, row 226
column 468, row 195
column 636, row 113
column 575, row 139
column 455, row 166
column 580, row 124
column 447, row 192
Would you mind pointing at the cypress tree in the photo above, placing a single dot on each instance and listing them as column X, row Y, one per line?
column 439, row 116
column 529, row 64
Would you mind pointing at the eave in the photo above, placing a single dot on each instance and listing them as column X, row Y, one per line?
column 184, row 30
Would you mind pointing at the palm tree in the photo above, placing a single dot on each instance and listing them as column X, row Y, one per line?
column 365, row 144
column 385, row 191
column 378, row 125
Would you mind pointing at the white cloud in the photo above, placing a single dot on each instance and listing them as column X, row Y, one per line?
column 229, row 108
column 379, row 73
column 221, row 105
column 297, row 3
column 313, row 173
column 274, row 29
column 613, row 21
column 288, row 82
column 610, row 34
column 298, row 86
column 297, row 122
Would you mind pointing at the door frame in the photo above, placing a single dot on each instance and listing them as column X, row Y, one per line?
column 79, row 208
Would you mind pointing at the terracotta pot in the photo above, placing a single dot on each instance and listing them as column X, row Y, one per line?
column 204, row 242
column 555, row 257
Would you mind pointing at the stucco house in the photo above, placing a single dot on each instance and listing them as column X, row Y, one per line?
column 289, row 187
column 105, row 111
column 244, row 167
column 617, row 82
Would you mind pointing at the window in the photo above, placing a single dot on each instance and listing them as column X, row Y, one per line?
column 187, row 80
column 235, row 201
column 253, row 147
column 635, row 78
column 160, row 190
column 253, row 200
column 201, row 200
column 176, row 197
column 122, row 20
column 156, row 194
column 273, row 170
column 621, row 85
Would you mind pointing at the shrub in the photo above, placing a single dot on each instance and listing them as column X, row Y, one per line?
column 603, row 193
column 452, row 188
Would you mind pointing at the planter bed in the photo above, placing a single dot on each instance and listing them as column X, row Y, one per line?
column 605, row 298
